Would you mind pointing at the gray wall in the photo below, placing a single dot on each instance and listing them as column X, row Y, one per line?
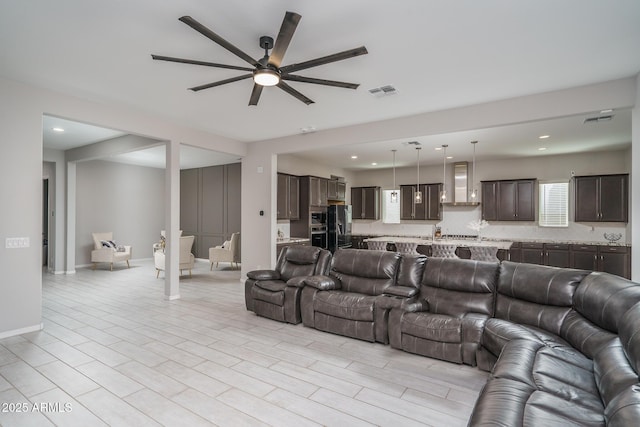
column 127, row 200
column 210, row 205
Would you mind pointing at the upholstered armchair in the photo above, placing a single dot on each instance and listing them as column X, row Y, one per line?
column 229, row 252
column 187, row 260
column 105, row 250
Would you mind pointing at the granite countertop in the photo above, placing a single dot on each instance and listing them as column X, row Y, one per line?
column 494, row 239
column 284, row 240
column 428, row 242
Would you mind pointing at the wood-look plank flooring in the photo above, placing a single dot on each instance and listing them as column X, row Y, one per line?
column 115, row 352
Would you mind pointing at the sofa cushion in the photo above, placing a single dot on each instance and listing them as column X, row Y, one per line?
column 434, row 327
column 266, row 295
column 624, row 410
column 410, row 270
column 498, row 332
column 584, row 335
column 346, row 305
column 630, row 336
column 271, row 285
column 458, row 286
column 613, row 374
column 603, row 298
column 364, row 271
column 505, row 402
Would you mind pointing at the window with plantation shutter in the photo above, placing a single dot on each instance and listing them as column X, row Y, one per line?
column 554, row 204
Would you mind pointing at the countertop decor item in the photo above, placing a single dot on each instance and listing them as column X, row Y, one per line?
column 477, row 225
column 612, row 237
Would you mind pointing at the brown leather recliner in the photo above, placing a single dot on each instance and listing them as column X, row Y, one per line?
column 456, row 299
column 276, row 293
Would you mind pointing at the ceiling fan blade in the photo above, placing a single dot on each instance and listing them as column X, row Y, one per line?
column 289, row 25
column 217, row 39
column 325, row 60
column 221, row 82
column 291, row 91
column 195, row 62
column 302, row 79
column 255, row 94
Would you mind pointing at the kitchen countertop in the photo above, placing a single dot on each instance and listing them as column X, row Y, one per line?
column 428, row 242
column 285, row 240
column 489, row 239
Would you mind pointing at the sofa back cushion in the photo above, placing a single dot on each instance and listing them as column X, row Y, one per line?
column 603, row 298
column 536, row 295
column 411, row 270
column 458, row 286
column 298, row 260
column 364, row 271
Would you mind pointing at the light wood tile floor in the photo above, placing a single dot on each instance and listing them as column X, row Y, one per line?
column 115, row 352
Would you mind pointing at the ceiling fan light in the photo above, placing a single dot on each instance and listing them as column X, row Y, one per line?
column 266, row 77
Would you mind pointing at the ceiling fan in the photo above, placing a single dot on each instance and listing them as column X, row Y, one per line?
column 267, row 71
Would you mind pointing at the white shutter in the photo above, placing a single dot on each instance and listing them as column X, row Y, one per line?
column 554, row 204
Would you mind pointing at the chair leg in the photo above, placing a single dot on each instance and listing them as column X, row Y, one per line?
column 111, row 267
column 211, row 267
column 128, row 266
column 190, row 273
column 93, row 267
column 157, row 273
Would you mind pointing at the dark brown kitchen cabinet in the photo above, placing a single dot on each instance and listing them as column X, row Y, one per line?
column 532, row 253
column 610, row 259
column 365, row 202
column 336, row 190
column 429, row 209
column 509, row 200
column 556, row 255
column 288, row 197
column 602, row 198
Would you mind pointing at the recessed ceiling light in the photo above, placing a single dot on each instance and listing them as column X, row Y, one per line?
column 544, row 136
column 374, row 164
column 354, row 157
column 542, row 148
column 449, row 157
column 438, row 148
column 57, row 129
column 607, row 111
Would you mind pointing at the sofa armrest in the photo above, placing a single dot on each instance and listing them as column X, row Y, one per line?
column 416, row 306
column 472, row 326
column 297, row 281
column 263, row 275
column 401, row 291
column 322, row 283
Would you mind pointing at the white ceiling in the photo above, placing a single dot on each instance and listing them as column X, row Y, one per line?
column 437, row 54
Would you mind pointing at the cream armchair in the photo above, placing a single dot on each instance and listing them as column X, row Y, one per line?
column 109, row 254
column 187, row 260
column 229, row 252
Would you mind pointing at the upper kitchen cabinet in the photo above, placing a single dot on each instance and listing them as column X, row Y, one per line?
column 429, row 209
column 336, row 190
column 602, row 198
column 317, row 191
column 288, row 199
column 509, row 200
column 365, row 202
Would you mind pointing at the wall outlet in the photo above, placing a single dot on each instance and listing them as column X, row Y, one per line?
column 17, row 242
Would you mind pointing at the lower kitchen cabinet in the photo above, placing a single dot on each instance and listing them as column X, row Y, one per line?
column 556, row 255
column 532, row 253
column 610, row 259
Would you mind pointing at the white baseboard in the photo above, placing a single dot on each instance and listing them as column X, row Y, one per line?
column 21, row 331
column 172, row 297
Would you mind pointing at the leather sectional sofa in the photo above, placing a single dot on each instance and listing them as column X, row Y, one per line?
column 562, row 345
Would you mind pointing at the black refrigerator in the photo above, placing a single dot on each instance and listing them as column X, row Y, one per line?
column 339, row 227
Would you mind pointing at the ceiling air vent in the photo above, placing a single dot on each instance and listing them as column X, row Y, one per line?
column 381, row 91
column 598, row 119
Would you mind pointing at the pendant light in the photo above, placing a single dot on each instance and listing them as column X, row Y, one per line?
column 443, row 194
column 474, row 190
column 394, row 193
column 418, row 196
